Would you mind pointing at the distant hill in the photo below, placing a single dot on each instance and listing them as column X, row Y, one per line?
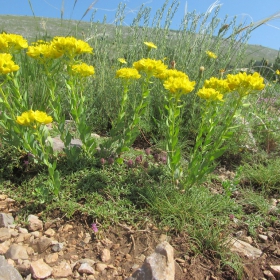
column 37, row 27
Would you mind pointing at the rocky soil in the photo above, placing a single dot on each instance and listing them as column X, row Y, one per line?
column 72, row 249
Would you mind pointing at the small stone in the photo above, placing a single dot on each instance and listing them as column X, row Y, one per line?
column 88, row 261
column 36, row 234
column 6, row 220
column 4, row 247
column 100, row 267
column 247, row 239
column 275, row 269
column 115, row 246
column 22, row 230
column 67, row 228
column 34, row 223
column 135, row 266
column 263, row 237
column 50, row 232
column 62, row 270
column 105, row 255
column 57, row 247
column 30, row 251
column 13, row 232
column 87, row 239
column 128, row 257
column 22, row 237
column 16, row 252
column 141, row 258
column 39, row 269
column 43, row 244
column 4, row 234
column 269, row 275
column 51, row 258
column 86, row 268
column 24, row 268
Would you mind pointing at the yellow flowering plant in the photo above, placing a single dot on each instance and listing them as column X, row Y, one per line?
column 210, row 142
column 176, row 84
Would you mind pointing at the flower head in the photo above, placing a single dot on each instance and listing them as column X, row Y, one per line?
column 128, row 73
column 210, row 94
column 179, row 85
column 150, row 66
column 82, row 70
column 31, row 118
column 71, row 46
column 122, row 60
column 94, row 227
column 217, row 84
column 211, row 54
column 277, row 72
column 7, row 65
column 172, row 73
column 43, row 51
column 12, row 43
column 150, row 45
column 245, row 84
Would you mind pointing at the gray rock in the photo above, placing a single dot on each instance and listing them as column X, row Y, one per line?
column 58, row 145
column 86, row 268
column 57, row 247
column 244, row 248
column 34, row 223
column 43, row 244
column 6, row 220
column 8, row 272
column 16, row 252
column 159, row 266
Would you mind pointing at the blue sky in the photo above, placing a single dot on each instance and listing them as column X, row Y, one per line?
column 246, row 10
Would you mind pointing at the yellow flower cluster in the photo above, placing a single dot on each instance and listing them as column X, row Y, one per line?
column 71, row 46
column 171, row 73
column 217, row 84
column 211, row 54
column 179, row 85
column 210, row 94
column 128, row 73
column 43, row 51
column 82, row 70
column 59, row 46
column 150, row 66
column 31, row 118
column 245, row 84
column 7, row 64
column 12, row 43
column 277, row 72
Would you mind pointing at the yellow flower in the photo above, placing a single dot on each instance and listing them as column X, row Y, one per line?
column 179, row 85
column 122, row 60
column 150, row 45
column 71, row 46
column 210, row 94
column 7, row 65
column 172, row 73
column 12, row 43
column 42, row 117
column 128, row 73
column 211, row 54
column 43, row 51
column 277, row 72
column 150, row 66
column 26, row 118
column 30, row 117
column 217, row 84
column 82, row 70
column 245, row 84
